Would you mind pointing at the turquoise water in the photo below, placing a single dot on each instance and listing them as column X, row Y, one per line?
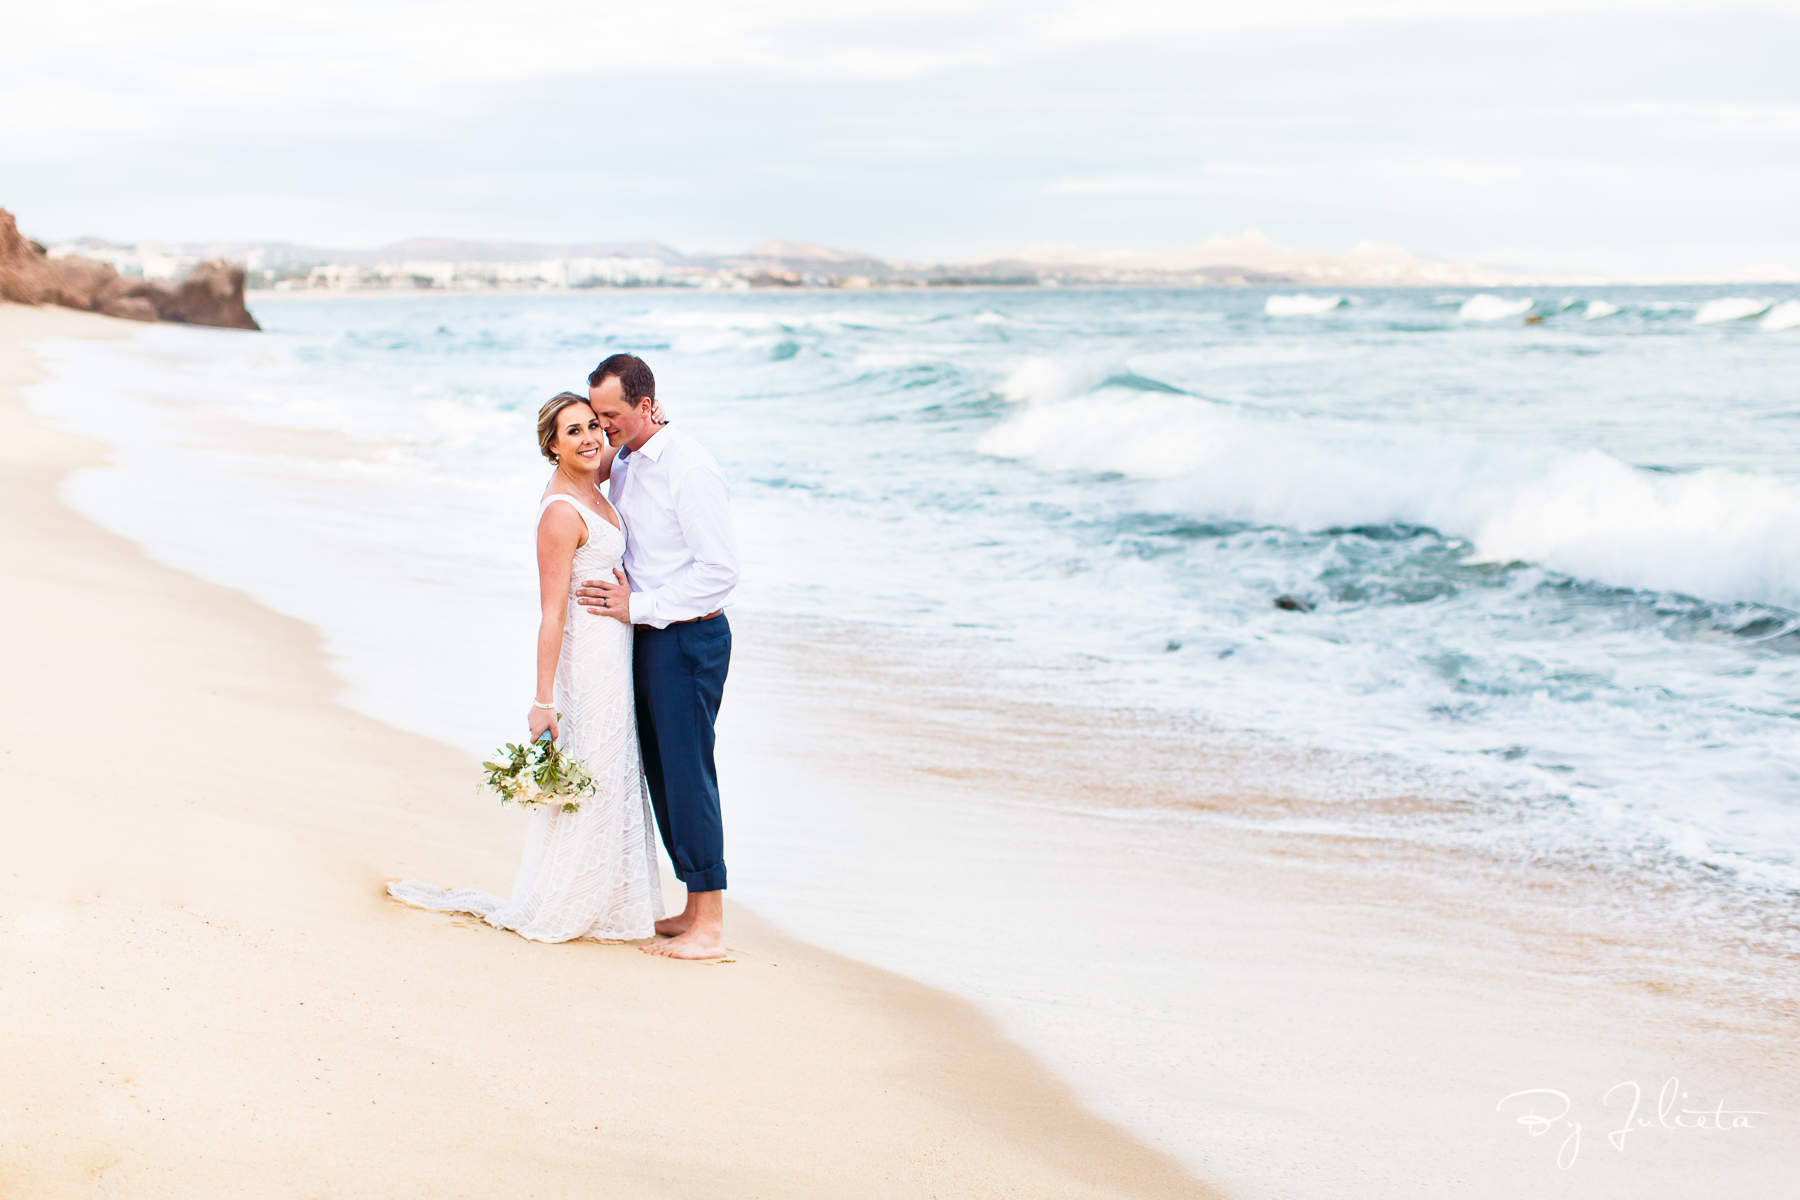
column 1556, row 561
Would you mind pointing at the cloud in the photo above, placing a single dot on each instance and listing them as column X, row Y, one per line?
column 917, row 129
column 1744, row 121
column 266, row 46
column 1202, row 178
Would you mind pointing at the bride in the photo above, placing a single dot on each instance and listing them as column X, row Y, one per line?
column 590, row 873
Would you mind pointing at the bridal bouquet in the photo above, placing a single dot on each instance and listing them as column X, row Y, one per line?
column 539, row 773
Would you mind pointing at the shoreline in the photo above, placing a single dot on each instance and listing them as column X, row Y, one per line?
column 255, row 295
column 1332, row 997
column 1075, row 285
column 212, row 993
column 1141, row 904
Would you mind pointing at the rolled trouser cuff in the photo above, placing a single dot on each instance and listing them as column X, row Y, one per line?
column 710, row 880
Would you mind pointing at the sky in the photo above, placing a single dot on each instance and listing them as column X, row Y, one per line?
column 1636, row 139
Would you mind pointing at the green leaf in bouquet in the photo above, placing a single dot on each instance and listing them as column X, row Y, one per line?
column 541, row 767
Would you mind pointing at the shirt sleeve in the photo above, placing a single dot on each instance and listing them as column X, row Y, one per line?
column 703, row 511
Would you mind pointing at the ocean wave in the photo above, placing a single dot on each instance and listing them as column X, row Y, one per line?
column 1666, row 720
column 1715, row 533
column 1600, row 308
column 664, row 319
column 1047, row 380
column 1486, row 307
column 1783, row 316
column 1302, row 305
column 1730, row 308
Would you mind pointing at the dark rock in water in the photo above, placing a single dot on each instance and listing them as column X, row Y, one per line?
column 1293, row 604
column 212, row 294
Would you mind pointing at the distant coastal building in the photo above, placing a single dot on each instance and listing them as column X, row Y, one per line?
column 143, row 261
column 337, row 275
column 439, row 274
column 540, row 273
column 614, row 271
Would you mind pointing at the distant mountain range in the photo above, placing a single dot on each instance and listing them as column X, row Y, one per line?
column 425, row 250
column 1250, row 258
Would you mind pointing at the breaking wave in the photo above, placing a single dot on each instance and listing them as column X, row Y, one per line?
column 1730, row 308
column 1782, row 316
column 1302, row 305
column 1716, row 533
column 1492, row 308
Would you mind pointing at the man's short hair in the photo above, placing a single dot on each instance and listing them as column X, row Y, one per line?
column 633, row 374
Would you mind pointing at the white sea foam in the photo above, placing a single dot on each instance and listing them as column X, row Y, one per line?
column 1715, row 533
column 862, row 502
column 1487, row 307
column 1730, row 308
column 1302, row 305
column 1040, row 380
column 1698, row 771
column 1600, row 308
column 1783, row 316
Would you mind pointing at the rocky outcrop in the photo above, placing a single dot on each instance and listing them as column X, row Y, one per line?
column 212, row 294
column 25, row 274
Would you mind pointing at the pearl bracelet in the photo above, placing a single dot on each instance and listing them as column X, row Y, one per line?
column 540, row 704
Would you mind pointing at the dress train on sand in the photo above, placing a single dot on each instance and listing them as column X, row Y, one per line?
column 591, row 873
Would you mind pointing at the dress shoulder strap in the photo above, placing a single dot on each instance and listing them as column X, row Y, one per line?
column 588, row 517
column 592, row 519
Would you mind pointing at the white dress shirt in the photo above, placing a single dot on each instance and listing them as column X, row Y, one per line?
column 681, row 552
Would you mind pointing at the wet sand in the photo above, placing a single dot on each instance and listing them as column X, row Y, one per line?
column 1283, row 989
column 205, row 990
column 1304, row 973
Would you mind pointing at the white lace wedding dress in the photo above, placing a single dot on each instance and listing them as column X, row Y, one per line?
column 590, row 873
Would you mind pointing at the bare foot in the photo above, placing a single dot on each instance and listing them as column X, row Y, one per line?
column 698, row 943
column 676, row 925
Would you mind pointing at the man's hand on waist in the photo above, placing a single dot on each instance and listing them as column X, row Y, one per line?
column 606, row 598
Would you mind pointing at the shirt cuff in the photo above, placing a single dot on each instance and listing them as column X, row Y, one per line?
column 640, row 607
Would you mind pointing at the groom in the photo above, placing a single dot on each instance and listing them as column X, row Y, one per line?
column 682, row 561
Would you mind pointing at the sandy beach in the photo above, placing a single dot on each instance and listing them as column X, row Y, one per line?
column 206, row 992
column 1233, row 578
column 1367, row 1001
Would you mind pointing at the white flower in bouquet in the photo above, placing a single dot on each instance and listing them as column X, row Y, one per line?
column 539, row 773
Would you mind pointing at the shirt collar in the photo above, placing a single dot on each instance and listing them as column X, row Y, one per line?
column 652, row 449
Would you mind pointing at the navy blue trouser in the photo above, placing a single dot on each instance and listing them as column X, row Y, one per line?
column 679, row 673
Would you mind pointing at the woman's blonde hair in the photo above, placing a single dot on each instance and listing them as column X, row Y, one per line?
column 547, row 420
